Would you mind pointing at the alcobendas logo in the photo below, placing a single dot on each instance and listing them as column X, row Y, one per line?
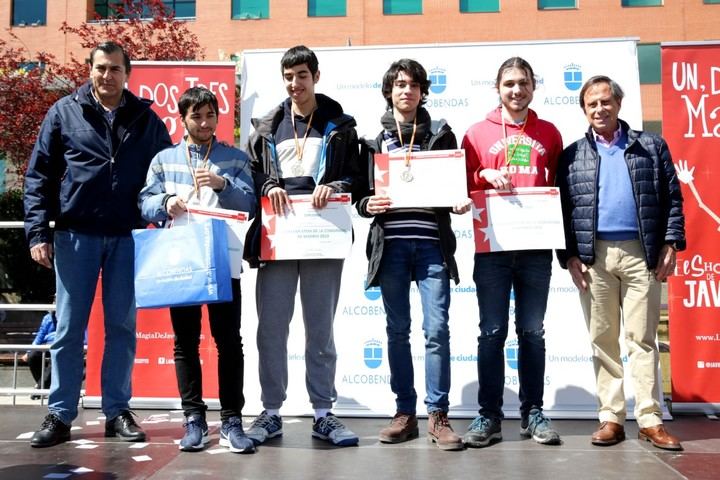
column 373, row 359
column 438, row 80
column 373, row 353
column 373, row 293
column 438, row 77
column 365, row 309
column 573, row 77
column 511, row 354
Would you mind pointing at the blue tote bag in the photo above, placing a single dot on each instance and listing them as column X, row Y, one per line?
column 182, row 265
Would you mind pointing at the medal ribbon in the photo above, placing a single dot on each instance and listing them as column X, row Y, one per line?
column 196, row 188
column 300, row 150
column 408, row 151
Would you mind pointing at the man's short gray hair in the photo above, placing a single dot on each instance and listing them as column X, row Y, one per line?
column 615, row 89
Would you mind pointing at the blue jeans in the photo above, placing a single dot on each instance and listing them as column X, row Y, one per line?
column 420, row 260
column 79, row 258
column 527, row 273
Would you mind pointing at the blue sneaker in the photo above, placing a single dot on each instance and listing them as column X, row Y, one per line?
column 483, row 431
column 196, row 434
column 265, row 426
column 330, row 429
column 233, row 437
column 538, row 426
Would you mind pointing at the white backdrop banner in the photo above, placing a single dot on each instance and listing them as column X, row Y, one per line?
column 462, row 92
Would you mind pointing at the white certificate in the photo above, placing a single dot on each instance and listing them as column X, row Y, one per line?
column 526, row 218
column 434, row 178
column 237, row 225
column 305, row 232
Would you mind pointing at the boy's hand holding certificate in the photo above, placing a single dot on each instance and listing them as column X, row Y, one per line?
column 305, row 232
column 434, row 178
column 526, row 218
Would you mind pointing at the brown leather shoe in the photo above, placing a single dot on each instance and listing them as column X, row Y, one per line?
column 660, row 437
column 609, row 433
column 441, row 433
column 403, row 427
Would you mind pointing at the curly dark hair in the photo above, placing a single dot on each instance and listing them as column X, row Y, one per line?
column 414, row 70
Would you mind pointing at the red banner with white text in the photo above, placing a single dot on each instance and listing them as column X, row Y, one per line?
column 691, row 126
column 153, row 377
column 165, row 82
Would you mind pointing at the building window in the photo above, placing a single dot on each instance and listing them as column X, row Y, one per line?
column 472, row 6
column 104, row 9
column 181, row 8
column 553, row 4
column 327, row 8
column 642, row 3
column 649, row 63
column 250, row 9
column 402, row 7
column 29, row 12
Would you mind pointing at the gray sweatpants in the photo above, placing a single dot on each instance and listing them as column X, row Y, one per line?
column 275, row 292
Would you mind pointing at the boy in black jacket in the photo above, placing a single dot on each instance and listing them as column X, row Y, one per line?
column 407, row 244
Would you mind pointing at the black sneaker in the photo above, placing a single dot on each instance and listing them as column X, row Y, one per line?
column 125, row 427
column 52, row 431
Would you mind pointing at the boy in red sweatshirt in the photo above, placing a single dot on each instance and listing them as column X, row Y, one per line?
column 512, row 148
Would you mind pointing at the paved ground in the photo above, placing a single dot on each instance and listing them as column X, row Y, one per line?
column 297, row 456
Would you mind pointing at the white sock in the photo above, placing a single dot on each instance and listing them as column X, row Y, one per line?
column 321, row 413
column 273, row 411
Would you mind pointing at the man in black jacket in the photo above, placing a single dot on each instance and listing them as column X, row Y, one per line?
column 86, row 170
column 413, row 244
column 623, row 218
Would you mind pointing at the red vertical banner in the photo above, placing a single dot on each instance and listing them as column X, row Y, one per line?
column 165, row 82
column 691, row 126
column 153, row 377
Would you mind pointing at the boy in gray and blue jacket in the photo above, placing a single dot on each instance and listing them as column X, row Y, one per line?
column 200, row 170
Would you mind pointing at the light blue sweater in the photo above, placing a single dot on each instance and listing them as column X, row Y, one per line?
column 617, row 211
